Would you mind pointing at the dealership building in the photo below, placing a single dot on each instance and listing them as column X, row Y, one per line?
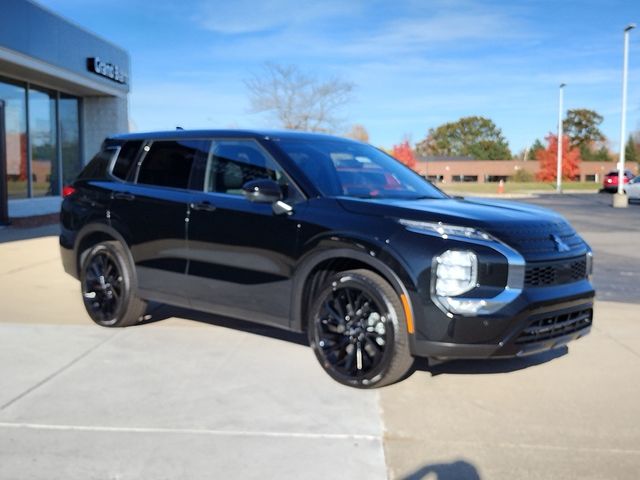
column 62, row 91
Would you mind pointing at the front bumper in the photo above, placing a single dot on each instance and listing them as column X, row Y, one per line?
column 542, row 326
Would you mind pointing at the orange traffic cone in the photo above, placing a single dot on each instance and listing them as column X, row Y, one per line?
column 501, row 187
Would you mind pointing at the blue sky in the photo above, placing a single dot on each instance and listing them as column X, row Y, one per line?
column 415, row 63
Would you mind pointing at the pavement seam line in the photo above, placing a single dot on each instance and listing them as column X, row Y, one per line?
column 32, row 265
column 533, row 446
column 197, row 431
column 615, row 340
column 383, row 430
column 58, row 371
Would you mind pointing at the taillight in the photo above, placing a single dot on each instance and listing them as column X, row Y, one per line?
column 67, row 190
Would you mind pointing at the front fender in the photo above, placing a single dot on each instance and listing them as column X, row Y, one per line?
column 336, row 246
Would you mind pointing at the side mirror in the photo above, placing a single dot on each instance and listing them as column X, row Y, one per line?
column 262, row 191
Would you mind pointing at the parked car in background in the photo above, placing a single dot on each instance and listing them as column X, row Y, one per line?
column 322, row 235
column 633, row 189
column 610, row 182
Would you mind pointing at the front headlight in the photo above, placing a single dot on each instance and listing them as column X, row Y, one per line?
column 589, row 263
column 444, row 230
column 456, row 273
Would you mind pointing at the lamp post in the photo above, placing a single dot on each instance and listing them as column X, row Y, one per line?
column 620, row 199
column 559, row 166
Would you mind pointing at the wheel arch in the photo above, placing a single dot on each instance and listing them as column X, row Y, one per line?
column 95, row 233
column 317, row 267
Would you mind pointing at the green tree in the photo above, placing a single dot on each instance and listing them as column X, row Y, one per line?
column 475, row 137
column 590, row 154
column 537, row 145
column 582, row 126
column 631, row 153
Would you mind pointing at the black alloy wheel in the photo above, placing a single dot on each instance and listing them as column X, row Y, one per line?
column 358, row 330
column 103, row 286
column 107, row 287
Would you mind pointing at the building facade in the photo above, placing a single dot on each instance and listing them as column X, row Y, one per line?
column 454, row 170
column 62, row 91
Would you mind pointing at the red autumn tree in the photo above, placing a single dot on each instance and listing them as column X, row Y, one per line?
column 404, row 154
column 548, row 158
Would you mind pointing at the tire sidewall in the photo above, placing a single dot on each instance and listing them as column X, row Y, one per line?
column 113, row 250
column 347, row 279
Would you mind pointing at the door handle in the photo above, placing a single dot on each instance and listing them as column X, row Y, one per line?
column 124, row 196
column 204, row 206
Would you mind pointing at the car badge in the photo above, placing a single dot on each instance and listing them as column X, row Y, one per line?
column 560, row 245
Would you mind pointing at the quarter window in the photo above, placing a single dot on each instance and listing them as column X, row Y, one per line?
column 168, row 163
column 99, row 164
column 127, row 156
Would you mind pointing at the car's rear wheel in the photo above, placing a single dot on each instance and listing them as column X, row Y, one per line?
column 357, row 329
column 108, row 286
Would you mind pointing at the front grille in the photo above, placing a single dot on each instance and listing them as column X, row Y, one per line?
column 559, row 272
column 556, row 326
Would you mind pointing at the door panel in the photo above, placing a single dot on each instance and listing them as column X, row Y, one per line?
column 241, row 259
column 153, row 210
column 241, row 254
column 155, row 220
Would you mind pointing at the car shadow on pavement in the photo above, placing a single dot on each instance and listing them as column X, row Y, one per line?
column 458, row 470
column 498, row 365
column 159, row 312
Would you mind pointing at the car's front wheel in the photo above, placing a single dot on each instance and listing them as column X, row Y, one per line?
column 108, row 286
column 357, row 329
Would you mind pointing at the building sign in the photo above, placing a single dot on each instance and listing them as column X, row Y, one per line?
column 106, row 69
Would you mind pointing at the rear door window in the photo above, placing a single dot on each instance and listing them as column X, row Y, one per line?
column 168, row 162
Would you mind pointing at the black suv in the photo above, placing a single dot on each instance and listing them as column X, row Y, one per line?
column 325, row 235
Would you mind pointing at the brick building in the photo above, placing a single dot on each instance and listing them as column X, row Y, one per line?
column 456, row 169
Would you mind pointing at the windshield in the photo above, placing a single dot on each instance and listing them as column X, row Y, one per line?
column 343, row 168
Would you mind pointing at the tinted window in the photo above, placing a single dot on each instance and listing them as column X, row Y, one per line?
column 168, row 163
column 356, row 170
column 127, row 156
column 233, row 163
column 98, row 165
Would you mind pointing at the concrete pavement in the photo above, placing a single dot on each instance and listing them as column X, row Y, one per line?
column 196, row 396
column 172, row 399
column 175, row 402
column 572, row 413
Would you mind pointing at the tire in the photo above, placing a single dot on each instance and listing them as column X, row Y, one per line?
column 109, row 287
column 358, row 331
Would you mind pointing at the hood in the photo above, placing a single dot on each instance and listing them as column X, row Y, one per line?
column 533, row 231
column 472, row 212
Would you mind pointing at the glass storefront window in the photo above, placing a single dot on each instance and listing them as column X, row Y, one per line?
column 42, row 136
column 69, row 137
column 15, row 122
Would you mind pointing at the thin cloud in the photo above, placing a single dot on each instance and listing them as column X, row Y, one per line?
column 247, row 17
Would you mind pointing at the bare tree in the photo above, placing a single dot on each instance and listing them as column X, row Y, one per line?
column 297, row 100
